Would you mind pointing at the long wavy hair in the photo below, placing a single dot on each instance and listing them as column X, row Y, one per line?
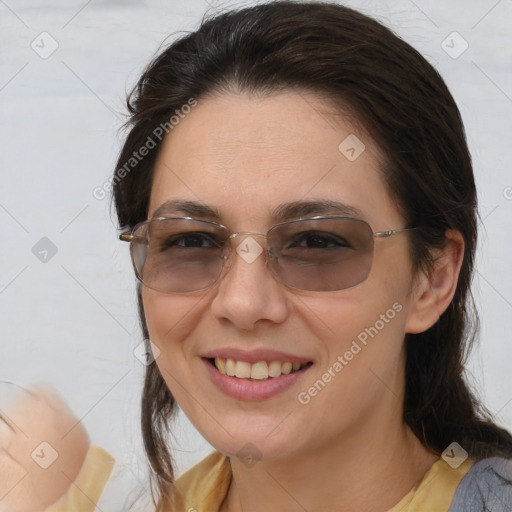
column 402, row 103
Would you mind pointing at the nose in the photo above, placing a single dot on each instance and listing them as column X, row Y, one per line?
column 248, row 295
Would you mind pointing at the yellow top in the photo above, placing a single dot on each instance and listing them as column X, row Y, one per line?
column 84, row 493
column 204, row 487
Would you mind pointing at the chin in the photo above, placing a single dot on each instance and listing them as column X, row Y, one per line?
column 252, row 439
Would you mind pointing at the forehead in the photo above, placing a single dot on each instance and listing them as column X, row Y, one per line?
column 245, row 155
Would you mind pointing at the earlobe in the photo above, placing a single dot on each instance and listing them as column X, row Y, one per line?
column 434, row 292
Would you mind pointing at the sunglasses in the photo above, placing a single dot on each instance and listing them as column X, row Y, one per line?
column 317, row 254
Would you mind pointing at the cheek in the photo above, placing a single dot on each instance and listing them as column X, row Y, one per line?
column 361, row 360
column 358, row 314
column 170, row 320
column 360, row 335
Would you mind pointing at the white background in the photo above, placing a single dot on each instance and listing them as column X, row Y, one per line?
column 71, row 322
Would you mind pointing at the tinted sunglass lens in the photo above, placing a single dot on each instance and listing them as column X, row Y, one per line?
column 322, row 254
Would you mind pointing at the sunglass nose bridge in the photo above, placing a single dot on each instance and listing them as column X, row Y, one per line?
column 248, row 248
column 246, row 233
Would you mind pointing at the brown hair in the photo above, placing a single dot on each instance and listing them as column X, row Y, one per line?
column 405, row 106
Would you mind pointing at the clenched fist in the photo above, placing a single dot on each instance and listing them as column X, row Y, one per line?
column 42, row 448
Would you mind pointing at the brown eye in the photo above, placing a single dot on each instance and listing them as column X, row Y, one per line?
column 191, row 240
column 317, row 240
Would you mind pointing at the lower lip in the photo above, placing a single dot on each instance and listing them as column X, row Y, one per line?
column 253, row 390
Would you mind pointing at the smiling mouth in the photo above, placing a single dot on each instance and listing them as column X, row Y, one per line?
column 260, row 371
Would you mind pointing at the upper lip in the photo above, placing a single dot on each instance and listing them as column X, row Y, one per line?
column 254, row 356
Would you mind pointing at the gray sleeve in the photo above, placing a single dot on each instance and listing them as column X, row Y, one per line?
column 487, row 487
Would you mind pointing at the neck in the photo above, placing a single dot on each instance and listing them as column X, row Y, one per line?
column 369, row 469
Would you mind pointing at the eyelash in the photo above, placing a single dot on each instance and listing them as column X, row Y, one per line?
column 171, row 242
column 328, row 237
column 301, row 237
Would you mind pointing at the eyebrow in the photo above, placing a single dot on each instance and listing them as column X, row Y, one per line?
column 189, row 208
column 296, row 209
column 283, row 212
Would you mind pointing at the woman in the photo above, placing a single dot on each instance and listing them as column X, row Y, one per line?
column 300, row 202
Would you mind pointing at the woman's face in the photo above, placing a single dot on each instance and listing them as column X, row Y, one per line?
column 245, row 157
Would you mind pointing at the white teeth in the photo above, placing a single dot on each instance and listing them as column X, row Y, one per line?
column 261, row 370
column 274, row 369
column 286, row 368
column 230, row 367
column 220, row 364
column 242, row 370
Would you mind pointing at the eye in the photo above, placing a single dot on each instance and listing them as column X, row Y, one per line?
column 191, row 240
column 317, row 240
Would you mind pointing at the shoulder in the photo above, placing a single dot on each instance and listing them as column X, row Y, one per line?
column 85, row 491
column 487, row 486
column 206, row 470
column 204, row 486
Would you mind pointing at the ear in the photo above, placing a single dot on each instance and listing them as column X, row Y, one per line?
column 433, row 293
